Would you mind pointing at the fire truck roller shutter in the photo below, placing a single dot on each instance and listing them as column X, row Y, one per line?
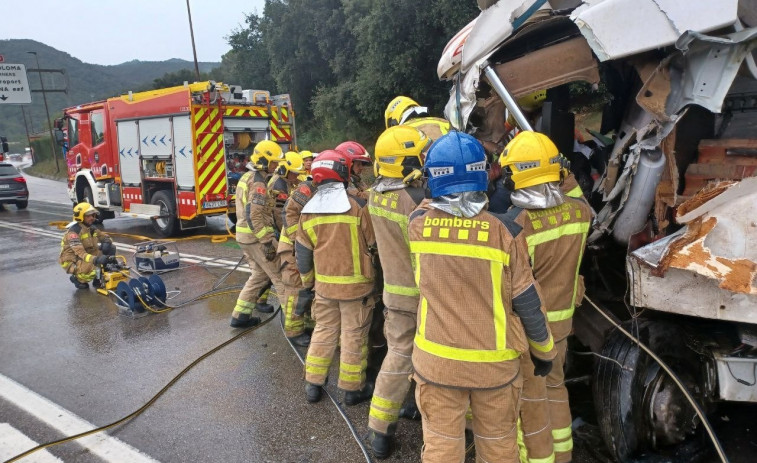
column 128, row 151
column 183, row 152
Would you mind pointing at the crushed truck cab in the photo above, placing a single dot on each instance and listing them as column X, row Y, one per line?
column 172, row 155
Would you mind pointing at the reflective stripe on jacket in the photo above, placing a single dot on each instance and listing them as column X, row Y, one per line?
column 81, row 243
column 468, row 271
column 556, row 238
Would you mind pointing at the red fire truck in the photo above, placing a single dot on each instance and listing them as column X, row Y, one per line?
column 172, row 155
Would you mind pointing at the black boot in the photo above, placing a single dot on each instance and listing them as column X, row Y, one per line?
column 381, row 444
column 78, row 284
column 97, row 283
column 356, row 397
column 264, row 308
column 244, row 321
column 313, row 392
column 302, row 340
column 410, row 412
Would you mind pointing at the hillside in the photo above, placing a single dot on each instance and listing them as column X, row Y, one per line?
column 86, row 82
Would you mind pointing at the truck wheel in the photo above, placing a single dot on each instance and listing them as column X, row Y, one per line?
column 87, row 196
column 168, row 223
column 639, row 407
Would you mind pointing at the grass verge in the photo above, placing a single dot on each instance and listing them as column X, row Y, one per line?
column 46, row 169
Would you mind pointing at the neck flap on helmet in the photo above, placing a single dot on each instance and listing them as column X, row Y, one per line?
column 466, row 204
column 541, row 196
column 331, row 198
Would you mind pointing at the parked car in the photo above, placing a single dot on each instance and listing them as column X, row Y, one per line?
column 13, row 189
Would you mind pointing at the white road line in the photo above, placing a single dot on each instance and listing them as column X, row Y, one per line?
column 101, row 444
column 13, row 442
column 187, row 258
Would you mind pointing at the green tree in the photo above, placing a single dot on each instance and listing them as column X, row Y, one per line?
column 173, row 79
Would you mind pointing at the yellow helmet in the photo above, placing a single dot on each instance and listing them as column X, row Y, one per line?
column 266, row 152
column 305, row 154
column 82, row 210
column 292, row 163
column 401, row 108
column 533, row 100
column 531, row 159
column 398, row 151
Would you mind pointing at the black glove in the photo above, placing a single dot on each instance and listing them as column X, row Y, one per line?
column 269, row 251
column 101, row 260
column 304, row 301
column 541, row 367
column 112, row 260
column 108, row 248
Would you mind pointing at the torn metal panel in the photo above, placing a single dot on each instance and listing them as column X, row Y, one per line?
column 449, row 64
column 549, row 67
column 647, row 24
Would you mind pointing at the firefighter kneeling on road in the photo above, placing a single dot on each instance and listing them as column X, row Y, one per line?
column 479, row 310
column 555, row 227
column 84, row 247
column 255, row 233
column 333, row 255
column 394, row 195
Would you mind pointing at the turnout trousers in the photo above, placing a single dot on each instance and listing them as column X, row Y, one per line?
column 262, row 272
column 393, row 380
column 495, row 415
column 346, row 322
column 545, row 433
column 294, row 324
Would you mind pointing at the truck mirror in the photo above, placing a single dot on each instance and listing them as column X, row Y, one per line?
column 4, row 142
column 59, row 136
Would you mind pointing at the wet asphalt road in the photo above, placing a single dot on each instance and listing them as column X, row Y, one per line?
column 245, row 403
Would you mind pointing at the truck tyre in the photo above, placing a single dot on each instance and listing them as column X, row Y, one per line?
column 638, row 406
column 87, row 196
column 168, row 224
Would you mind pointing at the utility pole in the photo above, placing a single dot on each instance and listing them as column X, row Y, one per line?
column 47, row 111
column 194, row 50
column 28, row 138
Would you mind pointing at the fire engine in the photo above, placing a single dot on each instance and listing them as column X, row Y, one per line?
column 172, row 155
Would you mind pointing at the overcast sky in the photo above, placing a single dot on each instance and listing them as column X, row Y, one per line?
column 115, row 31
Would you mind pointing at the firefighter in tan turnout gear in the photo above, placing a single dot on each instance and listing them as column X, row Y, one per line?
column 555, row 227
column 392, row 199
column 333, row 256
column 403, row 110
column 84, row 247
column 255, row 233
column 292, row 171
column 479, row 310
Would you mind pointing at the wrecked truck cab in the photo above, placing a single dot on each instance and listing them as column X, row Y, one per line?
column 655, row 103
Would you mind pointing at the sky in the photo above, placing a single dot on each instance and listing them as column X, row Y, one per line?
column 116, row 31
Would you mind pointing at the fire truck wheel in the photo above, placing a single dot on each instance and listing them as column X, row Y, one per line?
column 167, row 224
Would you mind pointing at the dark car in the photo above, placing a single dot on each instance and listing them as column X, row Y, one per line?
column 13, row 188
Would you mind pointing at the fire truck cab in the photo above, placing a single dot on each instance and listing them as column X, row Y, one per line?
column 171, row 155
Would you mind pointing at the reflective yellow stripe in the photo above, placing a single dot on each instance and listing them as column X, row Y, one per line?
column 245, row 304
column 355, row 244
column 565, row 446
column 350, row 377
column 326, row 219
column 555, row 233
column 350, row 367
column 576, row 192
column 316, row 370
column 84, row 235
column 422, row 321
column 401, row 290
column 263, row 231
column 88, row 258
column 312, row 235
column 244, row 229
column 500, row 322
column 464, row 355
column 460, row 250
column 384, row 416
column 341, row 280
column 385, row 403
column 543, row 348
column 291, row 229
column 396, row 217
column 318, row 360
column 66, row 264
column 285, row 239
column 560, row 315
column 562, row 433
column 353, row 222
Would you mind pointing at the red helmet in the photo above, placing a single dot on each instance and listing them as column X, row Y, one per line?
column 331, row 165
column 355, row 151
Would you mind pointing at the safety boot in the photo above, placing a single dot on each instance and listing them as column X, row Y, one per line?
column 380, row 444
column 244, row 321
column 410, row 412
column 313, row 392
column 77, row 283
column 264, row 308
column 301, row 340
column 356, row 397
column 97, row 283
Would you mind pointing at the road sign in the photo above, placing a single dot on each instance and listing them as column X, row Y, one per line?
column 14, row 86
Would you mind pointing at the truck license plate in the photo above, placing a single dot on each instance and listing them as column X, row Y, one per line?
column 213, row 204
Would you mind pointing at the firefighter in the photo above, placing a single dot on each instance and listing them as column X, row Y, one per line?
column 403, row 110
column 293, row 305
column 85, row 247
column 255, row 232
column 479, row 310
column 333, row 244
column 360, row 158
column 555, row 227
column 281, row 182
column 307, row 158
column 393, row 196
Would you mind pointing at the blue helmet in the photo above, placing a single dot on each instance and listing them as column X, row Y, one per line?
column 455, row 163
